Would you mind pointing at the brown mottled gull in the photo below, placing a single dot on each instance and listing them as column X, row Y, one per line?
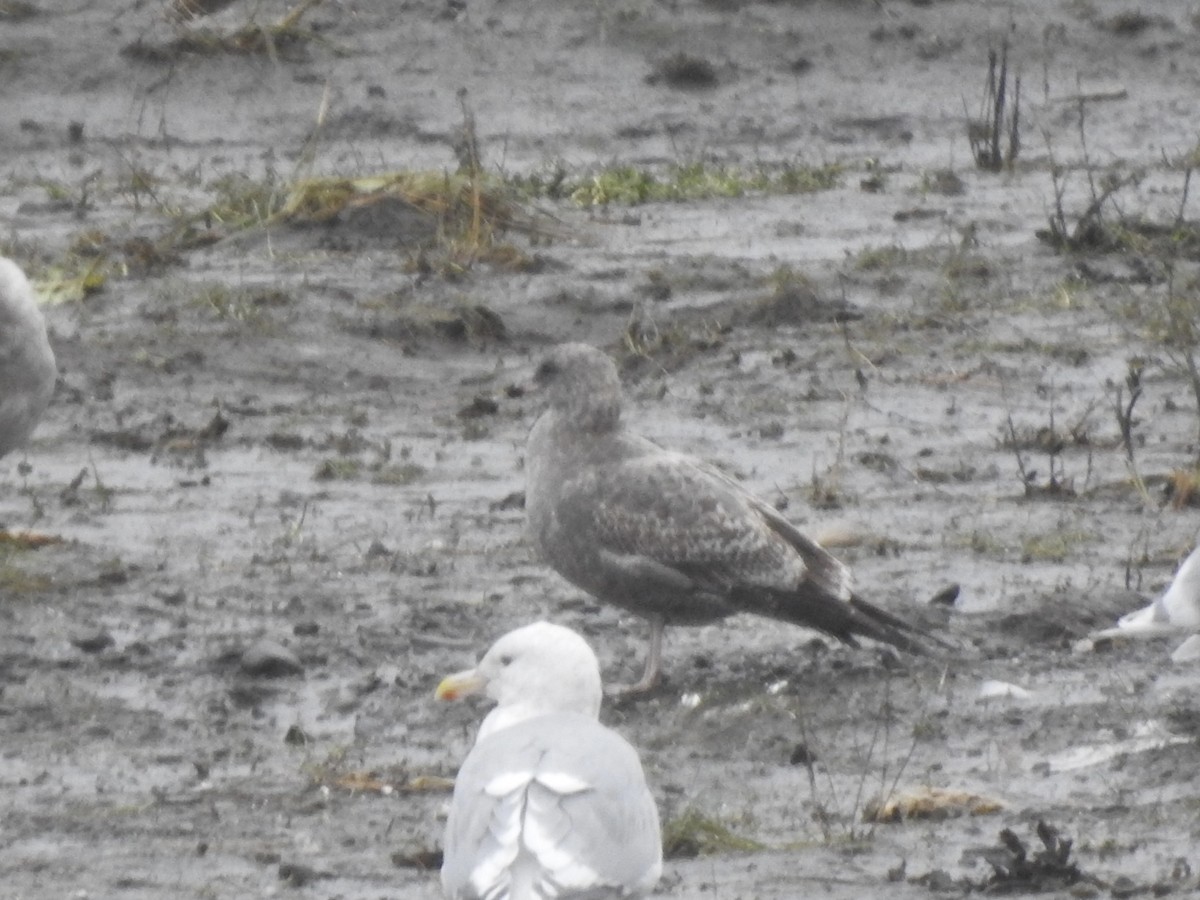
column 27, row 370
column 665, row 535
column 549, row 803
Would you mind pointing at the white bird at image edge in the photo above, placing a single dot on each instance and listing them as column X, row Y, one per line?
column 27, row 369
column 1177, row 611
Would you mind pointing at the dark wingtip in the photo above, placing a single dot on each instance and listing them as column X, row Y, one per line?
column 880, row 625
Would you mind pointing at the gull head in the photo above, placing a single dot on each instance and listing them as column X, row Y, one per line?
column 580, row 384
column 535, row 670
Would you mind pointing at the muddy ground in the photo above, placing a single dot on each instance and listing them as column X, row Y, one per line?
column 311, row 437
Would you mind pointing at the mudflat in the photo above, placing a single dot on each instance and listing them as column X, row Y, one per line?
column 300, row 262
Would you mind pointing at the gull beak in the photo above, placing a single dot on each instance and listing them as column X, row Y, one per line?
column 460, row 684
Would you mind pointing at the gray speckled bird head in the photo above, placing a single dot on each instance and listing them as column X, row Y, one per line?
column 580, row 383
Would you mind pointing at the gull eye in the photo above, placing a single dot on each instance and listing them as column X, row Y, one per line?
column 505, row 659
column 546, row 371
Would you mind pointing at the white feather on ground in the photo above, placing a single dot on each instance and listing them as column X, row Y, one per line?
column 27, row 369
column 549, row 803
column 665, row 535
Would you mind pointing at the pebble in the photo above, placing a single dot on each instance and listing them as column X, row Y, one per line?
column 93, row 641
column 269, row 659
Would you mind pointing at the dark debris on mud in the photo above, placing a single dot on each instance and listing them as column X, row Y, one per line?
column 1016, row 870
column 1019, row 869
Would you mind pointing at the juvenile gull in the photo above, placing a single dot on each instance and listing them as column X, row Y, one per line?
column 1176, row 612
column 665, row 535
column 27, row 371
column 549, row 802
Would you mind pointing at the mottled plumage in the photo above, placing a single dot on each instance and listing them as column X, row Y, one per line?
column 549, row 803
column 665, row 535
column 27, row 370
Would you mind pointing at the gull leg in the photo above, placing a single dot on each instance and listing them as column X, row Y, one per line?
column 653, row 671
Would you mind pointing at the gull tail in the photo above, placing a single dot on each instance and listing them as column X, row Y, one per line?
column 847, row 620
column 882, row 626
column 825, row 598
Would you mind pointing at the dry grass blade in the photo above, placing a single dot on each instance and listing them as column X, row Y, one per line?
column 469, row 210
column 251, row 38
column 17, row 11
column 292, row 19
column 930, row 803
column 27, row 540
column 186, row 10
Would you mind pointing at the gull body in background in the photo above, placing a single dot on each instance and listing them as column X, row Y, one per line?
column 666, row 536
column 549, row 803
column 1176, row 612
column 27, row 369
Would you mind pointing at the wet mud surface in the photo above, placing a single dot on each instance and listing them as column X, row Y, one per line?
column 285, row 466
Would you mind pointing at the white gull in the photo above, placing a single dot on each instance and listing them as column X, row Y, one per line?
column 549, row 803
column 1176, row 612
column 27, row 370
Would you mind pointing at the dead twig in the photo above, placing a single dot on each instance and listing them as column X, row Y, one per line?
column 987, row 131
column 1123, row 406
